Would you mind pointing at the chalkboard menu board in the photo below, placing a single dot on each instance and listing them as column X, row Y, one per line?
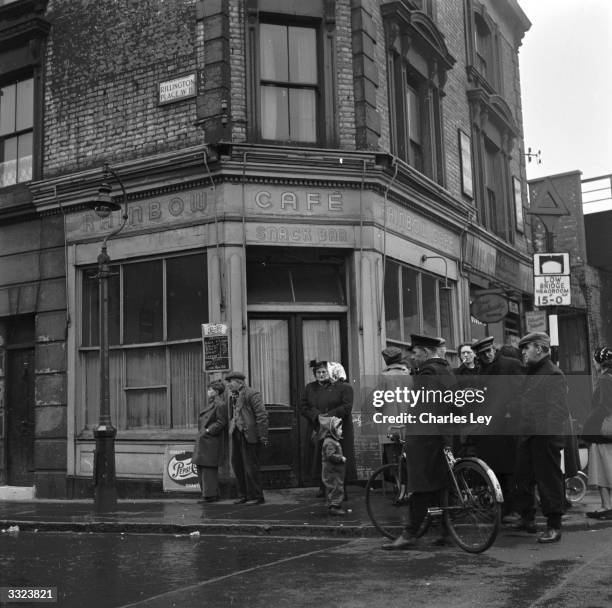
column 215, row 342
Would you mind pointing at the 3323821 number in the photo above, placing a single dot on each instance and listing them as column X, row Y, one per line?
column 28, row 594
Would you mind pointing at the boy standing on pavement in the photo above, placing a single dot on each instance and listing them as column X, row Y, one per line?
column 544, row 413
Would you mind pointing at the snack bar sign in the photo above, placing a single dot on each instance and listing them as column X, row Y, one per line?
column 551, row 275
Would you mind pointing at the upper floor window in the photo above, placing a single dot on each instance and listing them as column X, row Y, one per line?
column 289, row 82
column 483, row 48
column 494, row 131
column 417, row 64
column 16, row 129
column 496, row 217
column 291, row 55
column 427, row 6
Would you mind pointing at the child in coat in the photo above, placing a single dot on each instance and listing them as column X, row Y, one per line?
column 333, row 462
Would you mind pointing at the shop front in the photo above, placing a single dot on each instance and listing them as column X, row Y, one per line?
column 297, row 271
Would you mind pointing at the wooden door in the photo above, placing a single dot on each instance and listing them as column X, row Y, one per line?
column 280, row 349
column 20, row 417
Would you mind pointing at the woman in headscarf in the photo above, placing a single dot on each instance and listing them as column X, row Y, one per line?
column 208, row 447
column 600, row 450
column 329, row 395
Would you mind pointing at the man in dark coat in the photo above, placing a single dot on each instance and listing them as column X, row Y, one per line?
column 248, row 430
column 427, row 473
column 544, row 416
column 502, row 377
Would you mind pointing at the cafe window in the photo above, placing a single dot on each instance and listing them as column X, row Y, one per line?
column 417, row 303
column 300, row 282
column 156, row 309
column 16, row 131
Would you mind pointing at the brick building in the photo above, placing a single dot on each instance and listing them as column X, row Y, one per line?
column 558, row 203
column 324, row 177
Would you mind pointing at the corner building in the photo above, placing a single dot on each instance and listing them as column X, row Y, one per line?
column 325, row 177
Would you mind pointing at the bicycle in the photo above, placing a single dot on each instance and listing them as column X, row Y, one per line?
column 471, row 502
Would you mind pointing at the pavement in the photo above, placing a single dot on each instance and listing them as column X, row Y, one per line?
column 290, row 512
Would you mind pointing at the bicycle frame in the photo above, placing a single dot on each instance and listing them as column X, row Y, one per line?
column 451, row 461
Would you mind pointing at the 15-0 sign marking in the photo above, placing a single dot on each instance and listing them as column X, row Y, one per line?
column 552, row 290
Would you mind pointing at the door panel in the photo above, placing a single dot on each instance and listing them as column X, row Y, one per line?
column 280, row 349
column 270, row 373
column 321, row 340
column 20, row 417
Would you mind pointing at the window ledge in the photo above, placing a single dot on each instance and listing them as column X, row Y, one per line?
column 146, row 435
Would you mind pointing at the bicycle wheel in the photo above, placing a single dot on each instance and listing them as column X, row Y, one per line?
column 472, row 515
column 576, row 487
column 386, row 502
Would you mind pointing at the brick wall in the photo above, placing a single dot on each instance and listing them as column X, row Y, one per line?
column 104, row 62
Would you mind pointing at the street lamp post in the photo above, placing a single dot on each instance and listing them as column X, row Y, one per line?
column 105, row 490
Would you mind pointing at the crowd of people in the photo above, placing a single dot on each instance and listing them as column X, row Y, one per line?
column 526, row 397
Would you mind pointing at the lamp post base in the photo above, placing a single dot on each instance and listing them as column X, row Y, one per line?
column 105, row 488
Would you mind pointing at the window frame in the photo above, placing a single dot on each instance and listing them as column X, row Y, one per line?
column 326, row 131
column 403, row 338
column 483, row 44
column 417, row 59
column 23, row 36
column 120, row 352
column 290, row 85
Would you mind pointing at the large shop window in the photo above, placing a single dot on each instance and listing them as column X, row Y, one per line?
column 16, row 129
column 289, row 82
column 156, row 309
column 416, row 303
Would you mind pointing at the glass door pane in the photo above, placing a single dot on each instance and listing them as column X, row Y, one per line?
column 269, row 359
column 321, row 341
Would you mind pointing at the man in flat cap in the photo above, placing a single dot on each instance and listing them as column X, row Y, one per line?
column 502, row 378
column 395, row 374
column 544, row 415
column 248, row 430
column 426, row 468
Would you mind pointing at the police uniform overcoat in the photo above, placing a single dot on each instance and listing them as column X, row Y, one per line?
column 426, row 467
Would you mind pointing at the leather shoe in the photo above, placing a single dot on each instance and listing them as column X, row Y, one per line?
column 210, row 499
column 240, row 501
column 256, row 501
column 525, row 525
column 606, row 515
column 401, row 543
column 550, row 535
column 337, row 511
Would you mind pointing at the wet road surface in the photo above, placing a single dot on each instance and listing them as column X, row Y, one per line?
column 111, row 570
